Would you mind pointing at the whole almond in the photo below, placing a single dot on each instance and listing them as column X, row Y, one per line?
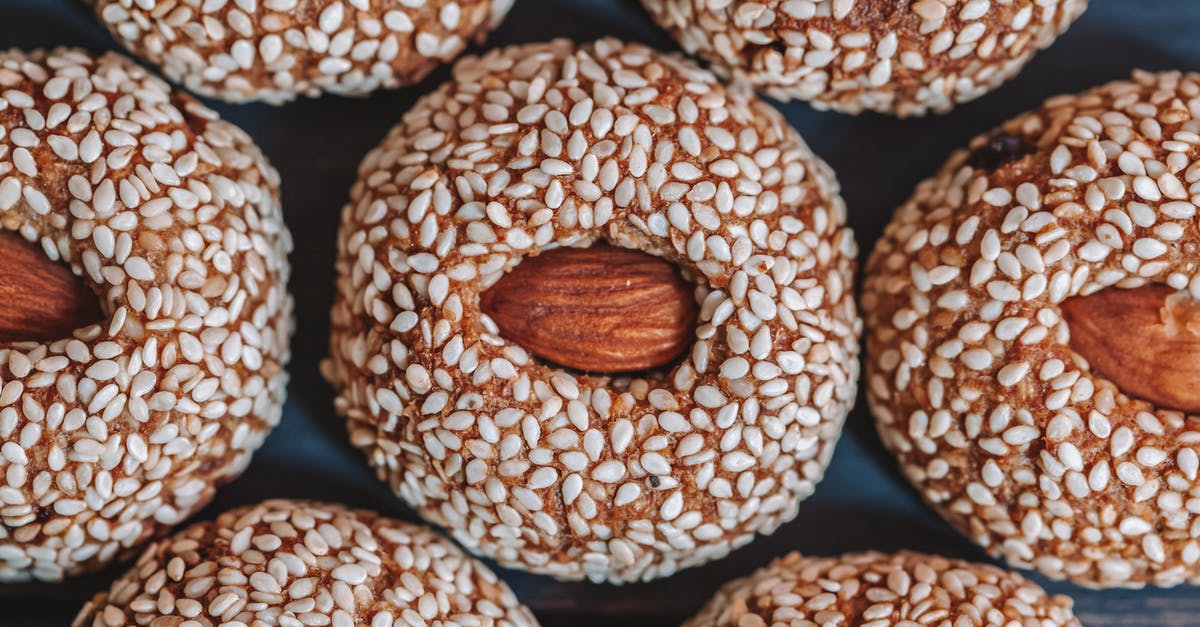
column 40, row 299
column 601, row 309
column 1145, row 340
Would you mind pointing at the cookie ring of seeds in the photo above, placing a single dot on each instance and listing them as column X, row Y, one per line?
column 275, row 50
column 171, row 216
column 1021, row 442
column 302, row 563
column 902, row 58
column 616, row 479
column 877, row 590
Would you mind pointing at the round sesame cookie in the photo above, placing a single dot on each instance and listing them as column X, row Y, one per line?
column 171, row 216
column 275, row 50
column 904, row 58
column 1005, row 429
column 617, row 478
column 878, row 590
column 294, row 563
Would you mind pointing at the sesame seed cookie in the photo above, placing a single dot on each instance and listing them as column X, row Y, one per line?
column 903, row 58
column 878, row 590
column 617, row 478
column 171, row 216
column 296, row 563
column 1018, row 440
column 275, row 50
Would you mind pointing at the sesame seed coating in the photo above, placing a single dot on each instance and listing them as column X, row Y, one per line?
column 878, row 590
column 172, row 217
column 275, row 50
column 904, row 58
column 298, row 563
column 1000, row 425
column 609, row 478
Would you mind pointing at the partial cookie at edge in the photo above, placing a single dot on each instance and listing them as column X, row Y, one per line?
column 876, row 590
column 300, row 562
column 903, row 58
column 171, row 215
column 275, row 50
column 1002, row 427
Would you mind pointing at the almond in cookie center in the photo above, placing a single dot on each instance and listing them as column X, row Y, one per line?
column 602, row 309
column 1143, row 339
column 40, row 299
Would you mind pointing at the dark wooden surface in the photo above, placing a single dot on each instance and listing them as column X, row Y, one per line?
column 862, row 504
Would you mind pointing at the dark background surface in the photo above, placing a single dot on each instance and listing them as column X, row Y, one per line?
column 862, row 504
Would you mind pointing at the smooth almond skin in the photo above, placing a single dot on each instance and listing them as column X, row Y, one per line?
column 40, row 299
column 601, row 309
column 1146, row 340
